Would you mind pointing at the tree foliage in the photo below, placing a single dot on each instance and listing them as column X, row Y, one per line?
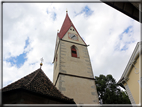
column 109, row 91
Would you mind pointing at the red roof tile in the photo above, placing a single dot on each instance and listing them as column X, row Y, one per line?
column 65, row 27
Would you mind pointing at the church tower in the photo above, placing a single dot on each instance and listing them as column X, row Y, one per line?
column 73, row 74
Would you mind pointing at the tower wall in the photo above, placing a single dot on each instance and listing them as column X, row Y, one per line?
column 80, row 66
column 56, row 65
column 76, row 78
column 73, row 74
column 82, row 90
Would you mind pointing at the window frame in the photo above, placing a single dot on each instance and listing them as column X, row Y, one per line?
column 74, row 48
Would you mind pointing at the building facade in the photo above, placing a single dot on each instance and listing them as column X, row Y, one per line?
column 131, row 77
column 73, row 74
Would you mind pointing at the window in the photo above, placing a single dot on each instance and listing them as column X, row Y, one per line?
column 56, row 61
column 56, row 58
column 73, row 51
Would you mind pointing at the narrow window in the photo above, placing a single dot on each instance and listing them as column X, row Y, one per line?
column 73, row 51
column 56, row 62
column 56, row 58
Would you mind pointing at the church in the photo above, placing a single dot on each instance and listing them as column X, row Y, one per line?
column 73, row 78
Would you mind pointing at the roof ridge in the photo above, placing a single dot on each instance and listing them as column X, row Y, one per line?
column 52, row 84
column 32, row 78
column 16, row 81
column 32, row 82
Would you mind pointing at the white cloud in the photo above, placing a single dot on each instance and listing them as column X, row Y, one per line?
column 35, row 21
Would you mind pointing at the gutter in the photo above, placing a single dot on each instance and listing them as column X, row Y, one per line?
column 122, row 81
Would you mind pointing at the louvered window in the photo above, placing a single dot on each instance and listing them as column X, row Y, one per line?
column 73, row 51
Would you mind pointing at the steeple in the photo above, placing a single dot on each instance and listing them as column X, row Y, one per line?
column 73, row 74
column 66, row 26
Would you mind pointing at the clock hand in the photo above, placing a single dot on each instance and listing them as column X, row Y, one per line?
column 72, row 36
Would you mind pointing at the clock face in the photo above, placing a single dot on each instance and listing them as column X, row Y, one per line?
column 73, row 36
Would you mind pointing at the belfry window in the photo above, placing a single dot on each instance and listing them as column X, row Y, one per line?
column 73, row 51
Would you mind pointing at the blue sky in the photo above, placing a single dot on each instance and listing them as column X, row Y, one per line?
column 30, row 32
column 86, row 11
column 128, row 31
column 19, row 60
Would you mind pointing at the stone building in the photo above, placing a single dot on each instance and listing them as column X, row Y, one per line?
column 73, row 74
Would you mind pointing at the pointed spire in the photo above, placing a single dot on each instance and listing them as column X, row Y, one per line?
column 65, row 27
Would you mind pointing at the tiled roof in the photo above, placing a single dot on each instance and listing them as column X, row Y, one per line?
column 65, row 27
column 37, row 82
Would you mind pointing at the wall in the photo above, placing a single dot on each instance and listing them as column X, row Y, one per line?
column 56, row 66
column 26, row 97
column 74, row 32
column 133, row 83
column 82, row 90
column 80, row 66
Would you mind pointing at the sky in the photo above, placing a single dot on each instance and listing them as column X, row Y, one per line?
column 30, row 30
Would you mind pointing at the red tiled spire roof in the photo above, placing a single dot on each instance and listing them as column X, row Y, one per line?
column 65, row 27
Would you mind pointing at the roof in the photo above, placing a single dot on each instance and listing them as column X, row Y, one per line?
column 129, row 7
column 37, row 82
column 133, row 58
column 65, row 27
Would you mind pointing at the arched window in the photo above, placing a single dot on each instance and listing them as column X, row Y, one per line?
column 73, row 51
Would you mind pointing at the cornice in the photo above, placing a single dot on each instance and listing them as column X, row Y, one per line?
column 136, row 53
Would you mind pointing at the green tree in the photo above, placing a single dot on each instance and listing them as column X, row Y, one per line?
column 109, row 91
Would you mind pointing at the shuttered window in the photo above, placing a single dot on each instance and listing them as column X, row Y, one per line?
column 73, row 51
